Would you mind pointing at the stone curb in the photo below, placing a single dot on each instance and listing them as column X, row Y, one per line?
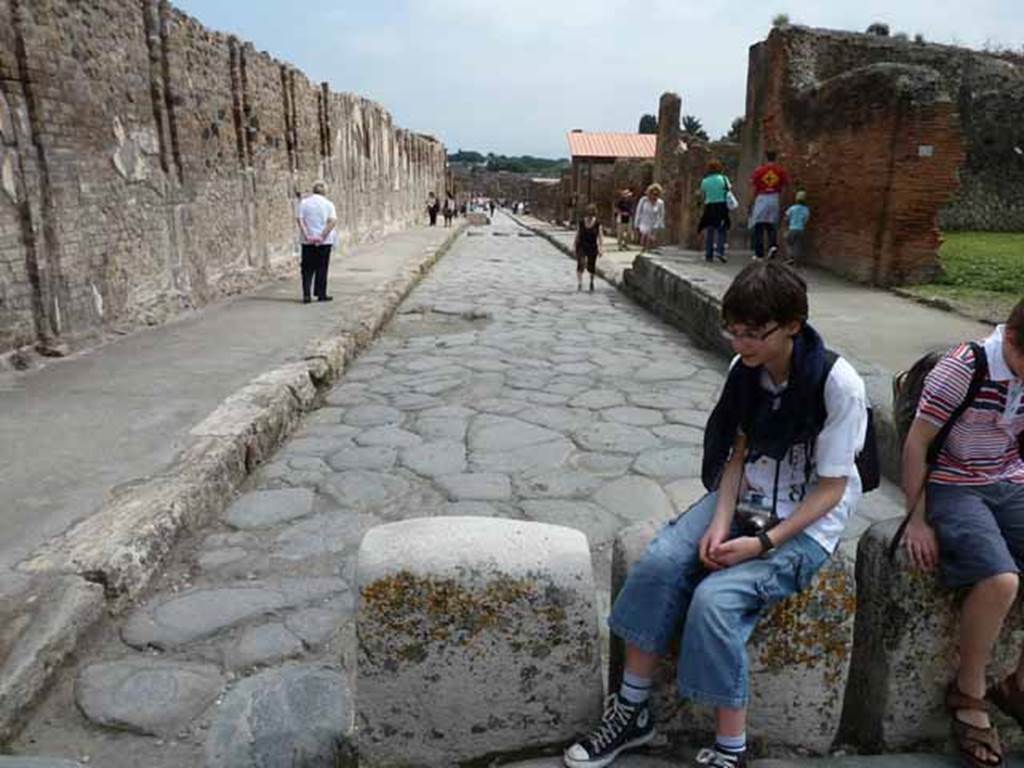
column 612, row 279
column 124, row 544
column 938, row 303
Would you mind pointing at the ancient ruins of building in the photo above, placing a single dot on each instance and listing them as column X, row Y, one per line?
column 893, row 141
column 148, row 164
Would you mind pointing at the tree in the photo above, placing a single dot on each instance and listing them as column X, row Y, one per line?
column 648, row 124
column 878, row 28
column 780, row 20
column 735, row 130
column 692, row 127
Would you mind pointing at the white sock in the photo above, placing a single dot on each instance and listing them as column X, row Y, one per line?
column 734, row 744
column 635, row 689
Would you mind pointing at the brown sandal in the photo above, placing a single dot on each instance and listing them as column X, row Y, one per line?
column 1009, row 698
column 969, row 737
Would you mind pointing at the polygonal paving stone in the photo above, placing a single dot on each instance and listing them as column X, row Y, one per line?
column 391, row 436
column 680, row 433
column 599, row 525
column 315, row 445
column 686, row 493
column 440, row 428
column 496, row 434
column 265, row 509
column 501, row 406
column 598, row 398
column 636, row 499
column 558, row 483
column 146, row 695
column 693, row 417
column 661, row 397
column 559, row 418
column 414, row 401
column 637, row 417
column 262, row 645
column 614, row 438
column 684, row 461
column 199, row 613
column 546, row 398
column 315, row 626
column 296, row 716
column 371, row 457
column 602, row 464
column 25, row 761
column 664, row 370
column 218, row 557
column 350, row 394
column 529, row 457
column 475, row 486
column 372, row 415
column 444, row 457
column 331, row 533
column 364, row 490
column 472, row 509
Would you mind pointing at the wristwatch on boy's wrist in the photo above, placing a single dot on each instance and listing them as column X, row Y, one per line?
column 767, row 545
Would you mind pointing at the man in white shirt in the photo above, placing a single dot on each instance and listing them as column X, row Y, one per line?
column 317, row 222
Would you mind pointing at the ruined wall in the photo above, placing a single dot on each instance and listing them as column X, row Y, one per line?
column 686, row 204
column 884, row 135
column 148, row 165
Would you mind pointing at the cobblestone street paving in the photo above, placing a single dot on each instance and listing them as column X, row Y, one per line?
column 498, row 391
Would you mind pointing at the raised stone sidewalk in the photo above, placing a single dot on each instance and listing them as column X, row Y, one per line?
column 150, row 435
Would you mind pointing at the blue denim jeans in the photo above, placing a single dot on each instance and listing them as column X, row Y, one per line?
column 718, row 609
column 711, row 235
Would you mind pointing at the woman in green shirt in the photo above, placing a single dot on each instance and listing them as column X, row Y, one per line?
column 714, row 189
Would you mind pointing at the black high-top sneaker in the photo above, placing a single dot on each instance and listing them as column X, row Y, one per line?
column 714, row 757
column 623, row 726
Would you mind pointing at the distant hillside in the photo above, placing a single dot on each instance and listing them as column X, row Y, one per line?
column 536, row 166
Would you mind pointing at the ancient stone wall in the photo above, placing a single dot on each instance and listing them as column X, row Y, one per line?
column 885, row 135
column 148, row 165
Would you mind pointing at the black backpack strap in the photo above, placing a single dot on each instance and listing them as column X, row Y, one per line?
column 937, row 443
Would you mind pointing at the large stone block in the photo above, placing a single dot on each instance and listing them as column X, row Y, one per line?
column 476, row 636
column 906, row 650
column 799, row 659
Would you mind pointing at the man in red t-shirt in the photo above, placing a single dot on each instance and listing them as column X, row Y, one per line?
column 767, row 182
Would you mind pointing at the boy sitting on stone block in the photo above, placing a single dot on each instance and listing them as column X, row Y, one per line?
column 967, row 514
column 779, row 459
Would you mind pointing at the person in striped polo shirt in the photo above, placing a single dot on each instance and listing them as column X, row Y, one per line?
column 967, row 517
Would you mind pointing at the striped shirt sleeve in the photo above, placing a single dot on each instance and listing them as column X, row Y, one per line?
column 946, row 386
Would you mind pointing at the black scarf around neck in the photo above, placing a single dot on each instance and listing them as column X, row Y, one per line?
column 773, row 423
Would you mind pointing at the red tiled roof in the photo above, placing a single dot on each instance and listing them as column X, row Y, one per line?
column 612, row 144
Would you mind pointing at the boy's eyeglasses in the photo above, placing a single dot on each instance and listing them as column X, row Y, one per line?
column 749, row 335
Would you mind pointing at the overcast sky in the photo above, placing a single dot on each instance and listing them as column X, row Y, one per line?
column 511, row 77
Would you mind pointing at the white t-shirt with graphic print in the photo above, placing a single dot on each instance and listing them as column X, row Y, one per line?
column 834, row 455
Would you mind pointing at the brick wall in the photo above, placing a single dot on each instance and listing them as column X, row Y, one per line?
column 890, row 139
column 148, row 165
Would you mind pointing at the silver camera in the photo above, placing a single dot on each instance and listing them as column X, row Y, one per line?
column 752, row 519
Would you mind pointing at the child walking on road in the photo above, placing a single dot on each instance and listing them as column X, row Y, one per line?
column 588, row 246
column 797, row 216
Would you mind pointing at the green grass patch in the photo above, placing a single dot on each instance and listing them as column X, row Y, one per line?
column 988, row 261
column 983, row 274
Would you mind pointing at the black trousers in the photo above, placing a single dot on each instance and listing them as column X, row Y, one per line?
column 760, row 230
column 315, row 260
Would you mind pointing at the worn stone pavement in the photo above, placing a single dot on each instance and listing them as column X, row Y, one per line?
column 123, row 410
column 497, row 391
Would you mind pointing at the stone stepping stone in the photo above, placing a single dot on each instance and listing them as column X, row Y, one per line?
column 372, row 416
column 444, row 457
column 372, row 457
column 614, row 438
column 201, row 613
column 146, row 695
column 495, row 618
column 296, row 716
column 637, row 417
column 263, row 645
column 636, row 499
column 265, row 509
column 480, row 486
